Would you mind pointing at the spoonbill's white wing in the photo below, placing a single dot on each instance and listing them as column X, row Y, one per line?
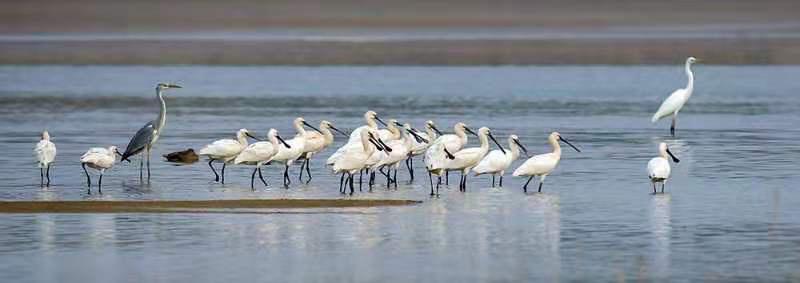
column 465, row 158
column 493, row 162
column 98, row 156
column 538, row 165
column 314, row 142
column 435, row 157
column 673, row 103
column 355, row 136
column 221, row 148
column 658, row 168
column 45, row 152
column 256, row 152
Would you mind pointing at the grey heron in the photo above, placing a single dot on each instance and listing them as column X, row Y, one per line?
column 144, row 139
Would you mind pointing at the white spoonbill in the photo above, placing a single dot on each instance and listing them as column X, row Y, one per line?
column 401, row 149
column 420, row 146
column 45, row 152
column 260, row 153
column 287, row 155
column 442, row 149
column 100, row 159
column 379, row 155
column 316, row 141
column 145, row 137
column 658, row 168
column 354, row 160
column 542, row 164
column 677, row 99
column 497, row 161
column 225, row 150
column 465, row 159
column 354, row 142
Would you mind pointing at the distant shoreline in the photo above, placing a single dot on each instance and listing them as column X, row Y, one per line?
column 781, row 51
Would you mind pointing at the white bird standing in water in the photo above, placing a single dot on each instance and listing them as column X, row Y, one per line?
column 45, row 152
column 442, row 150
column 225, row 150
column 354, row 142
column 673, row 104
column 287, row 155
column 354, row 160
column 658, row 168
column 543, row 164
column 465, row 159
column 316, row 141
column 260, row 153
column 391, row 132
column 497, row 161
column 400, row 151
column 420, row 146
column 146, row 137
column 100, row 159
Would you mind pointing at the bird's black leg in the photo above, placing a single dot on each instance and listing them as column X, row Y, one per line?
column 430, row 177
column 308, row 170
column 446, row 177
column 540, row 186
column 48, row 174
column 302, row 165
column 492, row 180
column 352, row 190
column 525, row 187
column 286, row 178
column 672, row 127
column 341, row 184
column 148, row 164
column 395, row 178
column 253, row 179
column 223, row 171
column 141, row 168
column 662, row 186
column 216, row 176
column 41, row 176
column 88, row 179
column 260, row 176
column 501, row 180
column 360, row 179
column 100, row 183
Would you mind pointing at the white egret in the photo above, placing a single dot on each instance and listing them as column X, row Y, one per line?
column 441, row 150
column 316, row 141
column 225, row 150
column 465, row 159
column 542, row 164
column 354, row 142
column 420, row 146
column 45, row 152
column 355, row 159
column 146, row 137
column 658, row 168
column 497, row 161
column 673, row 104
column 287, row 155
column 100, row 159
column 260, row 153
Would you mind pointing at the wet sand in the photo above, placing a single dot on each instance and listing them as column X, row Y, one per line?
column 188, row 206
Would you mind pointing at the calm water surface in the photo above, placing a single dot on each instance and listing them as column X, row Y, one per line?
column 731, row 211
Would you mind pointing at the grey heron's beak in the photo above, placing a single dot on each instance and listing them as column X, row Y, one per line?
column 381, row 121
column 438, row 132
column 675, row 159
column 570, row 144
column 337, row 130
column 385, row 147
column 525, row 150
column 283, row 141
column 470, row 131
column 497, row 143
column 174, row 86
column 312, row 127
column 417, row 137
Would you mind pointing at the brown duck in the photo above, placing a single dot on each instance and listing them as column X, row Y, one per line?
column 187, row 156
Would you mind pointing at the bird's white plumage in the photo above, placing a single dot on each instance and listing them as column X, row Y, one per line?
column 100, row 158
column 400, row 149
column 496, row 162
column 354, row 143
column 429, row 135
column 226, row 149
column 673, row 104
column 658, row 168
column 355, row 159
column 45, row 151
column 261, row 152
column 289, row 155
column 435, row 156
column 542, row 164
column 466, row 159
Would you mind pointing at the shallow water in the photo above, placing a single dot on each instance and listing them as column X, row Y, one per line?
column 729, row 212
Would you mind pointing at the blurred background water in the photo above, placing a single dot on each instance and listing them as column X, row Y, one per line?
column 730, row 212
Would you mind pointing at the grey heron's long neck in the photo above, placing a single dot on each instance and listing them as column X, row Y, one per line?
column 162, row 115
column 690, row 76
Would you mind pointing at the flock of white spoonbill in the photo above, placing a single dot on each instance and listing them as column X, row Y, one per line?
column 369, row 149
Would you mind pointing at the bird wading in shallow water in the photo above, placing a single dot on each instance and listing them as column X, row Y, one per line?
column 225, row 150
column 497, row 161
column 45, row 152
column 543, row 164
column 100, row 159
column 146, row 137
column 673, row 104
column 658, row 168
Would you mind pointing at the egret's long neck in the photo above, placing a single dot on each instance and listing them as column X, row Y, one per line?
column 162, row 115
column 690, row 76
